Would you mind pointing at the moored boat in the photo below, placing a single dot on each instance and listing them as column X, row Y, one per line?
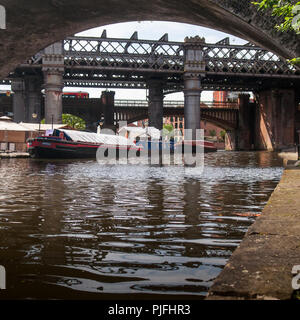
column 195, row 145
column 70, row 144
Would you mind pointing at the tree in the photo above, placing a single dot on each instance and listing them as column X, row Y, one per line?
column 71, row 120
column 289, row 10
column 168, row 131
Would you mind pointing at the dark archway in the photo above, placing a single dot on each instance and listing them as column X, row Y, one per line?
column 32, row 24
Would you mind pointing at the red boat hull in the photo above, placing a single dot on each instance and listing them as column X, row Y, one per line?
column 48, row 147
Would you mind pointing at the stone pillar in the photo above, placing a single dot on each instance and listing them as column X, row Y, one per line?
column 18, row 87
column 246, row 120
column 108, row 103
column 276, row 119
column 156, row 103
column 194, row 68
column 192, row 115
column 53, row 85
column 33, row 98
column 53, row 68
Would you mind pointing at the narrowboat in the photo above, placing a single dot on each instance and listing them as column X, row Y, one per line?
column 68, row 144
column 208, row 146
column 148, row 138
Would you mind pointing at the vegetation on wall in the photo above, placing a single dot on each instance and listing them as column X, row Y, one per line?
column 289, row 11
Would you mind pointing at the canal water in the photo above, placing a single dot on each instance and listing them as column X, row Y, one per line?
column 80, row 230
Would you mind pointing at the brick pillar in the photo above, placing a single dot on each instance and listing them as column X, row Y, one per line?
column 276, row 119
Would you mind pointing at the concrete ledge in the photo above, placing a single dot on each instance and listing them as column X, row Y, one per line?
column 8, row 155
column 260, row 268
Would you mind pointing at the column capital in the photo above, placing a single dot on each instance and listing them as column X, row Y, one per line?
column 194, row 42
column 194, row 63
column 53, row 58
column 53, row 64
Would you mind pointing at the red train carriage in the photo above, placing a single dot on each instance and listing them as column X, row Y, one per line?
column 78, row 95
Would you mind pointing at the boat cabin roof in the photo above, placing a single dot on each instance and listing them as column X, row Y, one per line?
column 140, row 132
column 81, row 136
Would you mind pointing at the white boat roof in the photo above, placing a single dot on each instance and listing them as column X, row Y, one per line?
column 139, row 131
column 81, row 136
column 42, row 126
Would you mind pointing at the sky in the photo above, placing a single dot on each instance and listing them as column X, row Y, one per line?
column 151, row 30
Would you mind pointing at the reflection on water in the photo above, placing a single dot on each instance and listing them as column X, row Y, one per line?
column 75, row 229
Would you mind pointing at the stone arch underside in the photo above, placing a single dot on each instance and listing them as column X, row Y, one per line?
column 32, row 25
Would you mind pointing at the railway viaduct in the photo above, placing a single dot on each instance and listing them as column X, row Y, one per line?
column 33, row 25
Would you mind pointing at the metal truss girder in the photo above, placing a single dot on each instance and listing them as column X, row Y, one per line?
column 129, row 63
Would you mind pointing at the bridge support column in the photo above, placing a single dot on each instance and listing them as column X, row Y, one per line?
column 33, row 99
column 194, row 67
column 276, row 119
column 18, row 87
column 53, row 85
column 156, row 104
column 246, row 123
column 53, row 68
column 108, row 102
column 192, row 116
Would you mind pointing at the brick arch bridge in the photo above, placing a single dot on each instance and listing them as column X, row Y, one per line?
column 32, row 25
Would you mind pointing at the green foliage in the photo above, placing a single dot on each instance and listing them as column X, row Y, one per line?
column 222, row 135
column 212, row 133
column 71, row 120
column 289, row 10
column 168, row 127
column 296, row 295
column 168, row 131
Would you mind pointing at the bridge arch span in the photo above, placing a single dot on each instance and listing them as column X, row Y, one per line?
column 225, row 119
column 33, row 25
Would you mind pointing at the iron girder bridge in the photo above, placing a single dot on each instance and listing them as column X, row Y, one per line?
column 224, row 115
column 129, row 63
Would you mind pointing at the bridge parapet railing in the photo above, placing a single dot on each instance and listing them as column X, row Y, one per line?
column 175, row 104
column 169, row 56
